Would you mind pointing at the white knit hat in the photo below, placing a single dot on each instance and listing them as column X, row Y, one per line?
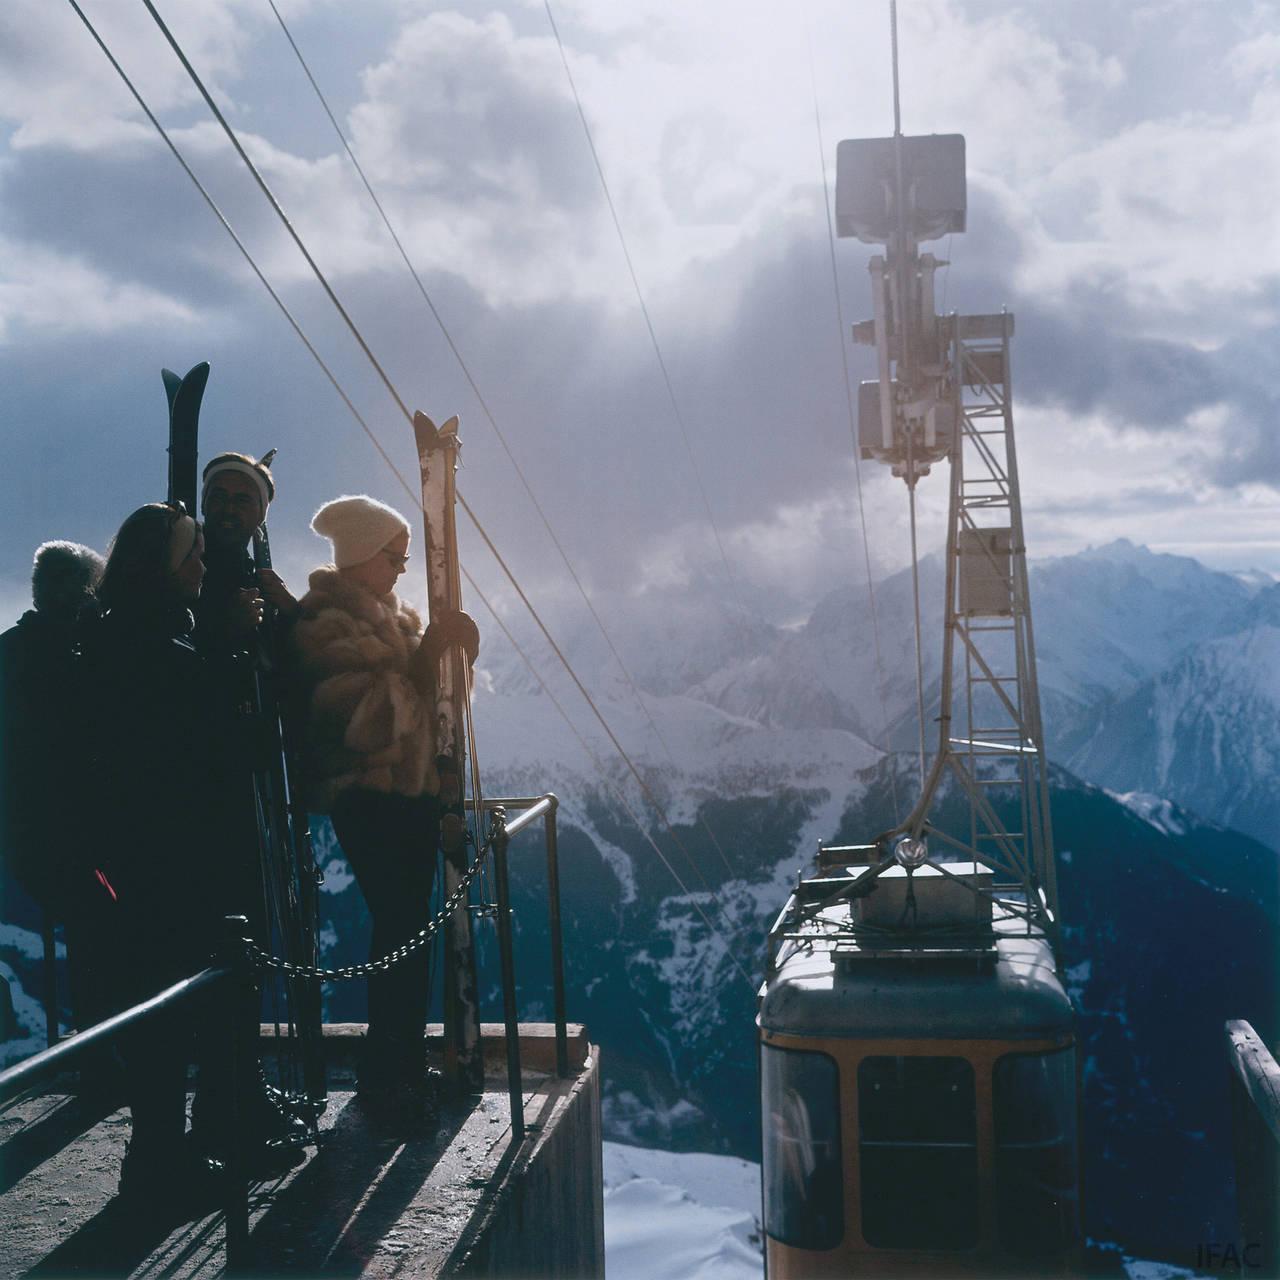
column 358, row 526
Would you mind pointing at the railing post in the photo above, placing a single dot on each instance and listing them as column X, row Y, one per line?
column 50, row 979
column 515, row 1086
column 1255, row 1135
column 557, row 941
column 234, row 952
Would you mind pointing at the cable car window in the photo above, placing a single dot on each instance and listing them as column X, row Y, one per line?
column 803, row 1185
column 1034, row 1098
column 918, row 1153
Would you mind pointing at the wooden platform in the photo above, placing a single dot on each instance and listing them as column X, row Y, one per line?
column 458, row 1200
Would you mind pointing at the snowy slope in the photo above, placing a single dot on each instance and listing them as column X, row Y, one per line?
column 1205, row 731
column 1109, row 618
column 680, row 1216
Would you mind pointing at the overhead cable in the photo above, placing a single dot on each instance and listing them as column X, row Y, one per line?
column 617, row 791
column 414, row 498
column 484, row 406
column 378, row 368
column 853, row 421
column 644, row 308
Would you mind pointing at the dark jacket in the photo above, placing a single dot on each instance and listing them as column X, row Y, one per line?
column 159, row 743
column 41, row 740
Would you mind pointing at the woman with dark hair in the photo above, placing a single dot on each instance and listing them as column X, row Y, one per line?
column 165, row 747
column 154, row 783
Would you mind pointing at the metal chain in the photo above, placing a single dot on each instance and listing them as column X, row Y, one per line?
column 266, row 960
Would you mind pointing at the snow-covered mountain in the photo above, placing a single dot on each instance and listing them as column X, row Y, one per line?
column 1156, row 674
column 1206, row 730
column 1111, row 617
column 752, row 742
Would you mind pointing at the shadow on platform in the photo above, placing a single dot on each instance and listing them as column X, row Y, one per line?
column 341, row 1208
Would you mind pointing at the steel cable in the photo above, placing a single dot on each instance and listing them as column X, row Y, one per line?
column 853, row 425
column 488, row 413
column 414, row 498
column 386, row 380
column 644, row 308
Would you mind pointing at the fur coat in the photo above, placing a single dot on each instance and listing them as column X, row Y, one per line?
column 366, row 723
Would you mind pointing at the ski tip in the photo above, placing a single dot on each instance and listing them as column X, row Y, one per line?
column 429, row 436
column 171, row 384
column 268, row 457
column 197, row 375
column 424, row 431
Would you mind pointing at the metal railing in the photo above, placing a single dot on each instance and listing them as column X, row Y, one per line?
column 1255, row 1133
column 238, row 959
column 231, row 972
column 501, row 834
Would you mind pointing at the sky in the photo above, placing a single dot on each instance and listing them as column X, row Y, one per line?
column 1123, row 188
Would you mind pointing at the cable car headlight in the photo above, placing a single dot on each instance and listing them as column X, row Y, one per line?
column 910, row 852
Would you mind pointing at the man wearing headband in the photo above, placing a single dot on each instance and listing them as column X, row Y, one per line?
column 234, row 500
column 237, row 490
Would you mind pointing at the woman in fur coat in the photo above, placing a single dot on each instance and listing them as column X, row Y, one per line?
column 370, row 671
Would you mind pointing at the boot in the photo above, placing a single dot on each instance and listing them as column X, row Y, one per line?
column 170, row 1178
column 394, row 1085
column 271, row 1138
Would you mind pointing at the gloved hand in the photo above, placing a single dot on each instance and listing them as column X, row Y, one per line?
column 454, row 627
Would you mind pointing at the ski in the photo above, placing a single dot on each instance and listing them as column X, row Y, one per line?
column 285, row 836
column 437, row 463
column 185, row 395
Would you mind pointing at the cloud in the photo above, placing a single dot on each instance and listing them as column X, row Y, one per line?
column 51, row 293
column 1143, row 340
column 58, row 89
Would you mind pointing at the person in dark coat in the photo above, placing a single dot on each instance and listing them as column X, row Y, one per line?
column 239, row 643
column 242, row 618
column 38, row 711
column 169, row 761
column 153, row 772
column 41, row 709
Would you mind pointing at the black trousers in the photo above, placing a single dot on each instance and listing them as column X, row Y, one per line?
column 141, row 960
column 390, row 842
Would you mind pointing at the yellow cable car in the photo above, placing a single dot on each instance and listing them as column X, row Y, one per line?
column 919, row 1084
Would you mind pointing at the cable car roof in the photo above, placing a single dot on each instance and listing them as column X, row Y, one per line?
column 814, row 993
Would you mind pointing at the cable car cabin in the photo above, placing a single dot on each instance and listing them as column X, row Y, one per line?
column 919, row 1086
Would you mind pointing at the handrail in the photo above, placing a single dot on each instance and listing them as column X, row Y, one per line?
column 232, row 964
column 502, row 831
column 59, row 1057
column 46, row 1063
column 1257, row 1071
column 544, row 805
column 1254, row 1085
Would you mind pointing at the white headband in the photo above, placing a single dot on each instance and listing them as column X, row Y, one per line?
column 182, row 537
column 245, row 470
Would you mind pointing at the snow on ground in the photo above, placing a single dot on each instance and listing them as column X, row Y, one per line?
column 680, row 1216
column 30, row 1016
column 1160, row 813
column 1143, row 1269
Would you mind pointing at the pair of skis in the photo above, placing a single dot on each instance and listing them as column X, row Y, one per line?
column 284, row 838
column 437, row 461
column 437, row 465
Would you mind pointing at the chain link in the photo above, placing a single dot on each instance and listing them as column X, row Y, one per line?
column 265, row 960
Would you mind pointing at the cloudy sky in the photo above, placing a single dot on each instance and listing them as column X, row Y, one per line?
column 1124, row 183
